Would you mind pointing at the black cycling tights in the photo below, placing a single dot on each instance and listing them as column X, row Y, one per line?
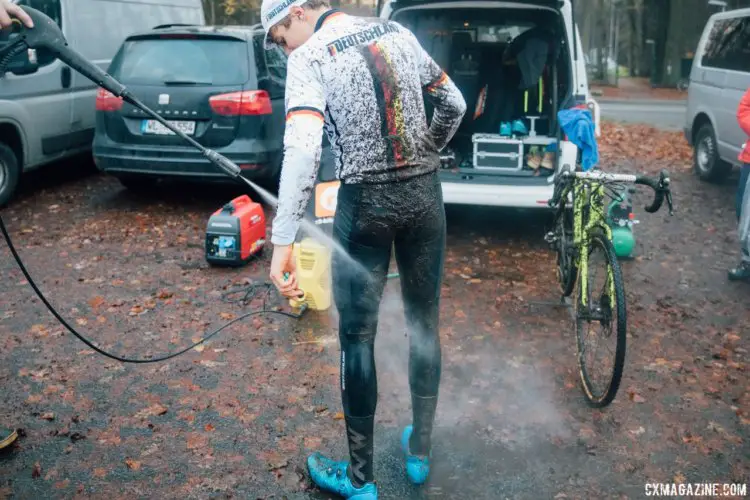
column 371, row 219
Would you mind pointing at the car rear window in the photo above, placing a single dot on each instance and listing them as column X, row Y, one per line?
column 154, row 61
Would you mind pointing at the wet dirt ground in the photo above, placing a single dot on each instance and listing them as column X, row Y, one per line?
column 237, row 417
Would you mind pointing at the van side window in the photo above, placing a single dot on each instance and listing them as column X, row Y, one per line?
column 52, row 9
column 728, row 45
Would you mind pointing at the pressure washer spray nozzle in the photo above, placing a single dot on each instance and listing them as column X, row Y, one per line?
column 300, row 301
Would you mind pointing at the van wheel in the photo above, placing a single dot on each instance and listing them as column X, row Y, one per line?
column 137, row 183
column 9, row 174
column 706, row 162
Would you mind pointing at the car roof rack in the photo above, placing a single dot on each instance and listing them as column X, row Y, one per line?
column 172, row 25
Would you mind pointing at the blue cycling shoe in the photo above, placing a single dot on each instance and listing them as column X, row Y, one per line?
column 519, row 127
column 331, row 476
column 417, row 467
column 505, row 129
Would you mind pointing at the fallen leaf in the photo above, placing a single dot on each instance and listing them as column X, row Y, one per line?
column 278, row 464
column 96, row 301
column 212, row 364
column 132, row 464
column 152, row 411
column 679, row 478
column 61, row 485
column 209, row 427
column 460, row 314
column 313, row 443
column 47, row 416
column 195, row 441
column 226, row 316
column 100, row 472
column 338, row 416
column 165, row 294
column 635, row 397
column 136, row 310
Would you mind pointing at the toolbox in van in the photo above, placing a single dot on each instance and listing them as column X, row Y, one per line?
column 496, row 152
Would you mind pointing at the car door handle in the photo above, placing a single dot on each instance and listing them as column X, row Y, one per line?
column 65, row 77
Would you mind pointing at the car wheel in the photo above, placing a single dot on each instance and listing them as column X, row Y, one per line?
column 706, row 162
column 138, row 183
column 9, row 174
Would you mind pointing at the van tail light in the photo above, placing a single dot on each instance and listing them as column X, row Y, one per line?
column 107, row 101
column 247, row 102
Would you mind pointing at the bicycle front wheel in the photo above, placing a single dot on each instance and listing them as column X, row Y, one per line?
column 566, row 265
column 601, row 321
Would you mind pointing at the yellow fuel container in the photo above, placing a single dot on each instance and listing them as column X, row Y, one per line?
column 313, row 273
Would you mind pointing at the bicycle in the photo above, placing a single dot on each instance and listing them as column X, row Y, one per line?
column 577, row 234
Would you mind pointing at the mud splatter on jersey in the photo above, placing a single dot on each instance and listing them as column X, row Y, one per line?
column 363, row 81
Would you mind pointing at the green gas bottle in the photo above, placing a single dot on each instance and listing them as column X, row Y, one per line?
column 621, row 220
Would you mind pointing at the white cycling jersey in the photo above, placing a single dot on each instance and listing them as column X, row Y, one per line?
column 363, row 80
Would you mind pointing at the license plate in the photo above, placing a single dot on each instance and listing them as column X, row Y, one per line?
column 154, row 127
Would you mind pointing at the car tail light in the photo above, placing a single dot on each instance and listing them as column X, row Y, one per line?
column 248, row 102
column 107, row 101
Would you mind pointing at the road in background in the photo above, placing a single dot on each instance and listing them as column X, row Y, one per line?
column 664, row 114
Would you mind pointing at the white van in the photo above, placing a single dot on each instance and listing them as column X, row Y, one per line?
column 488, row 47
column 719, row 78
column 47, row 110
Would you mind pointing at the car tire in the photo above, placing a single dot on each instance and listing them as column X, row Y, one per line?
column 10, row 173
column 137, row 183
column 707, row 164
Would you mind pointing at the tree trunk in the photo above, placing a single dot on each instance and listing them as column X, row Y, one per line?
column 633, row 38
column 661, row 37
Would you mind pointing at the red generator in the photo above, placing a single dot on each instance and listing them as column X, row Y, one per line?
column 235, row 233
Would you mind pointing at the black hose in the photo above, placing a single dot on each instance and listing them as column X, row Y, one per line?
column 13, row 51
column 113, row 356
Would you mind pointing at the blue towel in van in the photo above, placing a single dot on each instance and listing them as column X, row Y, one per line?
column 579, row 127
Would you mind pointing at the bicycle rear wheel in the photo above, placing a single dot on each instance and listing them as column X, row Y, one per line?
column 604, row 307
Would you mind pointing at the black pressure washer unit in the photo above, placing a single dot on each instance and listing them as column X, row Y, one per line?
column 47, row 35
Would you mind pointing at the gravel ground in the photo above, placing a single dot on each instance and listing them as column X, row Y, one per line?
column 238, row 416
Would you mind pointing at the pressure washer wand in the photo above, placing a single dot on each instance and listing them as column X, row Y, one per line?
column 46, row 34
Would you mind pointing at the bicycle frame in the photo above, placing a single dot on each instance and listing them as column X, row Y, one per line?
column 588, row 195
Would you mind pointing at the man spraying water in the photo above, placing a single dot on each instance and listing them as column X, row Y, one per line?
column 364, row 81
